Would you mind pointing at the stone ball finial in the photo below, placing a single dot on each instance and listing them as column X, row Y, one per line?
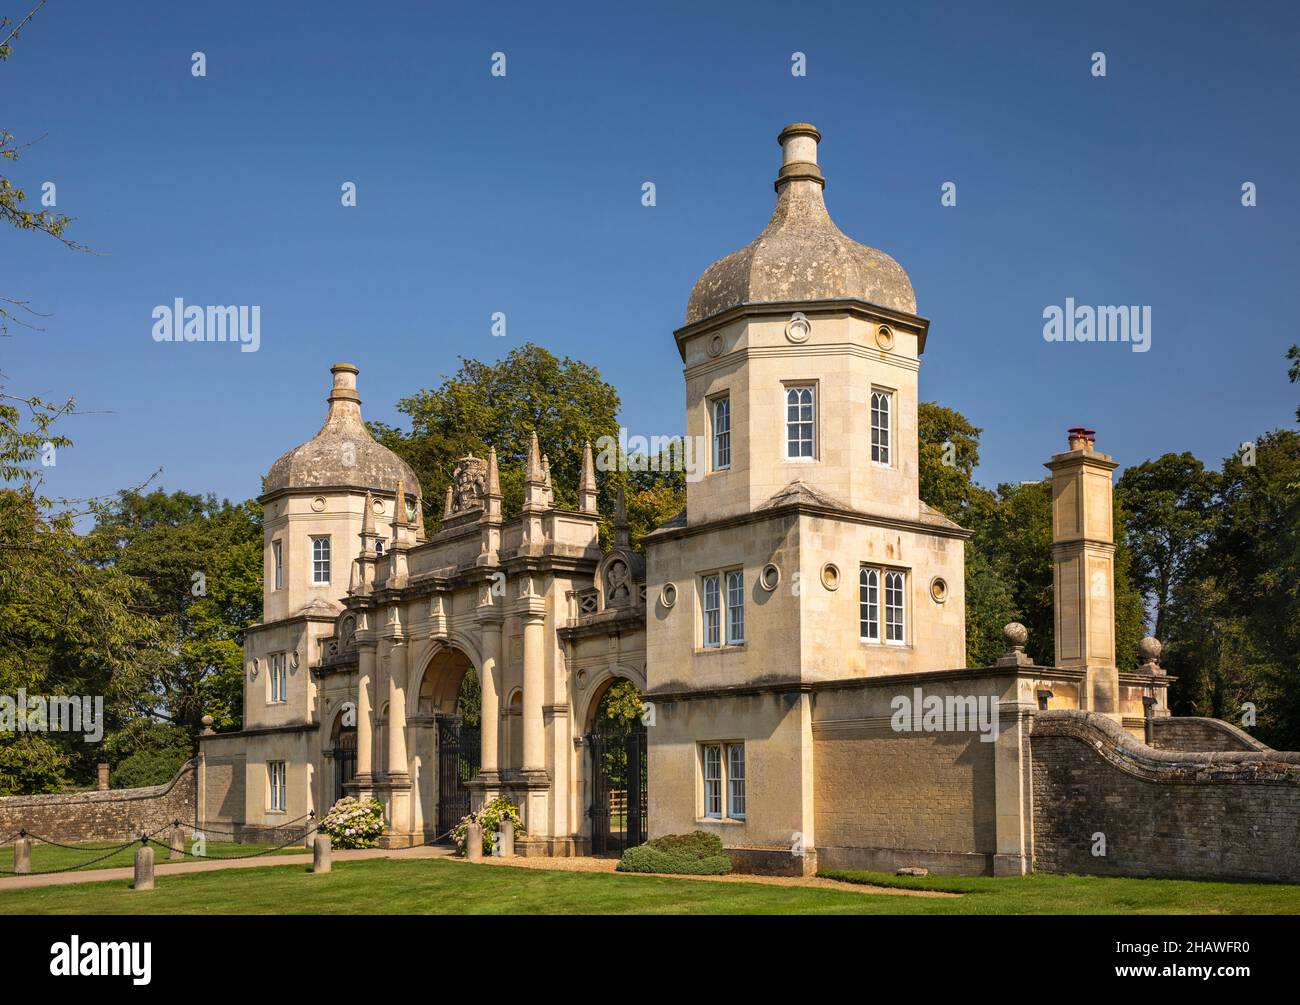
column 206, row 723
column 1016, row 634
column 1149, row 649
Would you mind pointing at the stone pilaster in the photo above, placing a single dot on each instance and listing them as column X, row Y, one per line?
column 365, row 719
column 1083, row 556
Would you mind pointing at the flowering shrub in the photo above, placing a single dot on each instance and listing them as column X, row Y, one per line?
column 351, row 823
column 490, row 817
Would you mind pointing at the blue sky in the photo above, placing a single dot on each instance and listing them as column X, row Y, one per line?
column 522, row 194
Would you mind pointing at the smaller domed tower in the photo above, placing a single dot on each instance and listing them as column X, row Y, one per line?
column 315, row 500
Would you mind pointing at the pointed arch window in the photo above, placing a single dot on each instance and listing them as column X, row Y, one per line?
column 869, row 605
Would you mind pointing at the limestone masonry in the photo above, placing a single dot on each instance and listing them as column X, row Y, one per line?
column 774, row 629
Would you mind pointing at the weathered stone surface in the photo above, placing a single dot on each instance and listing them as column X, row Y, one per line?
column 320, row 853
column 343, row 452
column 801, row 255
column 1193, row 734
column 1204, row 815
column 143, row 868
column 112, row 815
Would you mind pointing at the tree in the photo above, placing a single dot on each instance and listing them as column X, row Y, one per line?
column 12, row 198
column 566, row 402
column 948, row 455
column 483, row 405
column 200, row 564
column 1168, row 514
column 69, row 623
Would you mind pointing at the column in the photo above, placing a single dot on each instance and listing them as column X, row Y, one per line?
column 365, row 724
column 396, row 738
column 489, row 674
column 398, row 781
column 534, row 690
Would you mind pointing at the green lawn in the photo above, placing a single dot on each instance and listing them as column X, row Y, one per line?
column 424, row 886
column 48, row 858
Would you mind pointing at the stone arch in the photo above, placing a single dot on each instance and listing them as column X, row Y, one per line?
column 434, row 649
column 600, row 683
column 438, row 686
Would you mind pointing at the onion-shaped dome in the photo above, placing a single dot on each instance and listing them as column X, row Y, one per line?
column 801, row 255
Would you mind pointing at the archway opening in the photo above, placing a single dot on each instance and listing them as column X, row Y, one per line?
column 616, row 739
column 449, row 691
column 343, row 741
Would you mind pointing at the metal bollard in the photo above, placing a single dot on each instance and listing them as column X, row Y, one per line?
column 474, row 842
column 320, row 853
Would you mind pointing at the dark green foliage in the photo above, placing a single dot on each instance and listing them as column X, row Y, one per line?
column 695, row 854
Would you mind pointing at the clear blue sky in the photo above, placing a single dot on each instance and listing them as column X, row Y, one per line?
column 522, row 194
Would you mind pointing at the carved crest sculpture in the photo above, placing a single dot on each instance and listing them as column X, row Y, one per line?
column 468, row 484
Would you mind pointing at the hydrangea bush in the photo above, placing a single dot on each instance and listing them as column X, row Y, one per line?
column 490, row 818
column 351, row 823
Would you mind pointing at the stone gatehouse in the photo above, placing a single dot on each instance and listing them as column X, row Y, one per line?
column 773, row 627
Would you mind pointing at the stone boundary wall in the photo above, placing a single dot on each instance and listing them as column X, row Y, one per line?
column 1198, row 815
column 111, row 815
column 1191, row 734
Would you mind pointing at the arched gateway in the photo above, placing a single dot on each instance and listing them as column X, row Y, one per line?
column 455, row 658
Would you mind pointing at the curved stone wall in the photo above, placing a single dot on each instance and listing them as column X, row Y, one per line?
column 1106, row 804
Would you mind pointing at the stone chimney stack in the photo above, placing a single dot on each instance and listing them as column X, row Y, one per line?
column 1083, row 559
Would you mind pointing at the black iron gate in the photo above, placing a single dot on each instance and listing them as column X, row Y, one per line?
column 619, row 806
column 345, row 761
column 458, row 763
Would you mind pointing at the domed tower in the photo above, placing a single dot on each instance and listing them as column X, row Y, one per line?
column 805, row 557
column 801, row 353
column 315, row 500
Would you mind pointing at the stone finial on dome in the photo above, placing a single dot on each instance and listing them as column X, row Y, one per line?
column 801, row 256
column 799, row 155
column 343, row 454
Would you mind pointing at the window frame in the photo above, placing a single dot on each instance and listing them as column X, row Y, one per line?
column 734, row 581
column 890, row 582
column 901, row 578
column 277, row 679
column 720, row 439
column 713, row 786
column 277, row 799
column 788, row 388
column 887, row 447
column 869, row 580
column 722, row 781
column 732, row 779
column 722, row 626
column 277, row 564
column 316, row 561
column 711, row 617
